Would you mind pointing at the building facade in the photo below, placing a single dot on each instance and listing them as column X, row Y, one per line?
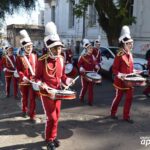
column 71, row 28
column 35, row 32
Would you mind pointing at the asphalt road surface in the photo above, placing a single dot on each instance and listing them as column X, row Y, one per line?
column 81, row 127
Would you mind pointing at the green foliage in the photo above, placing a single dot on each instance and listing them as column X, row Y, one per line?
column 112, row 15
column 81, row 7
column 8, row 6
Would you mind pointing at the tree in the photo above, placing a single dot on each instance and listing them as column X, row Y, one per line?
column 9, row 6
column 112, row 15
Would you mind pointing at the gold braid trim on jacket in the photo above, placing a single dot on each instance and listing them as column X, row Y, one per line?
column 86, row 60
column 25, row 65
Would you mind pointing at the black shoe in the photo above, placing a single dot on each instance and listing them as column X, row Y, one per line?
column 114, row 117
column 56, row 142
column 24, row 114
column 51, row 146
column 129, row 121
column 31, row 120
column 16, row 97
column 146, row 94
column 90, row 104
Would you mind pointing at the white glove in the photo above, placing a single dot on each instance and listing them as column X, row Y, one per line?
column 39, row 83
column 97, row 67
column 4, row 69
column 25, row 78
column 82, row 69
column 121, row 75
column 69, row 80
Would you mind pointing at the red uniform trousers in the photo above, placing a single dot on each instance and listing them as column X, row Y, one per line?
column 27, row 91
column 127, row 104
column 86, row 85
column 52, row 111
column 15, row 85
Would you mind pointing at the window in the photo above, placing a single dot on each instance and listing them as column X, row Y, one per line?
column 131, row 5
column 71, row 14
column 53, row 13
column 92, row 15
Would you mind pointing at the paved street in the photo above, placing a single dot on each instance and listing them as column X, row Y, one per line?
column 81, row 127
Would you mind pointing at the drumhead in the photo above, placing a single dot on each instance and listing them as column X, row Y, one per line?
column 134, row 79
column 93, row 75
column 68, row 68
column 65, row 92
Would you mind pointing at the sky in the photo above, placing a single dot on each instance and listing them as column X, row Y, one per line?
column 24, row 17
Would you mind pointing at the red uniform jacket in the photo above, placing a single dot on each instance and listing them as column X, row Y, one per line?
column 123, row 63
column 51, row 72
column 7, row 64
column 68, row 55
column 88, row 62
column 97, row 54
column 23, row 68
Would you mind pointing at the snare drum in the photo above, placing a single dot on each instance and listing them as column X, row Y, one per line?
column 70, row 70
column 134, row 80
column 61, row 94
column 93, row 77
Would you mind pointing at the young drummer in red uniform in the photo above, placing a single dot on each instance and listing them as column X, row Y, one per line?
column 87, row 62
column 26, row 65
column 123, row 64
column 9, row 66
column 50, row 73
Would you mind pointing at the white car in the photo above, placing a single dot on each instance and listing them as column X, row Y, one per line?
column 108, row 55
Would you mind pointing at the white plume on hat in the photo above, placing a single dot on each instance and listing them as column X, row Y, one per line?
column 125, row 33
column 53, row 38
column 25, row 40
column 86, row 43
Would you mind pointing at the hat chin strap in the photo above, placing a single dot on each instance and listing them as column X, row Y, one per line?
column 52, row 55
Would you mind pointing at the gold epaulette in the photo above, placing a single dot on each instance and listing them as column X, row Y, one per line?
column 120, row 53
column 43, row 57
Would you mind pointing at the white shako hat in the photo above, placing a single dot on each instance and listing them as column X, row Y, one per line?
column 86, row 43
column 25, row 39
column 125, row 36
column 52, row 39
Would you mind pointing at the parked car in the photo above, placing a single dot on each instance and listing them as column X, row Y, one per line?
column 108, row 55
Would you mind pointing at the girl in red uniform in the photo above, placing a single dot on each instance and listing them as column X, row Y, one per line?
column 123, row 64
column 87, row 62
column 50, row 73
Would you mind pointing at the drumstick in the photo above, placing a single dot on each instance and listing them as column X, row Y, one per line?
column 71, row 83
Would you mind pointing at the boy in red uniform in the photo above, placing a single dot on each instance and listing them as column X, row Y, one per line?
column 123, row 65
column 26, row 64
column 9, row 67
column 87, row 62
column 50, row 73
column 96, row 51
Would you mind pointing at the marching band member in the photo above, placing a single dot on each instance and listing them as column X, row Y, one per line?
column 50, row 73
column 96, row 50
column 9, row 67
column 68, row 54
column 123, row 64
column 86, row 63
column 26, row 63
